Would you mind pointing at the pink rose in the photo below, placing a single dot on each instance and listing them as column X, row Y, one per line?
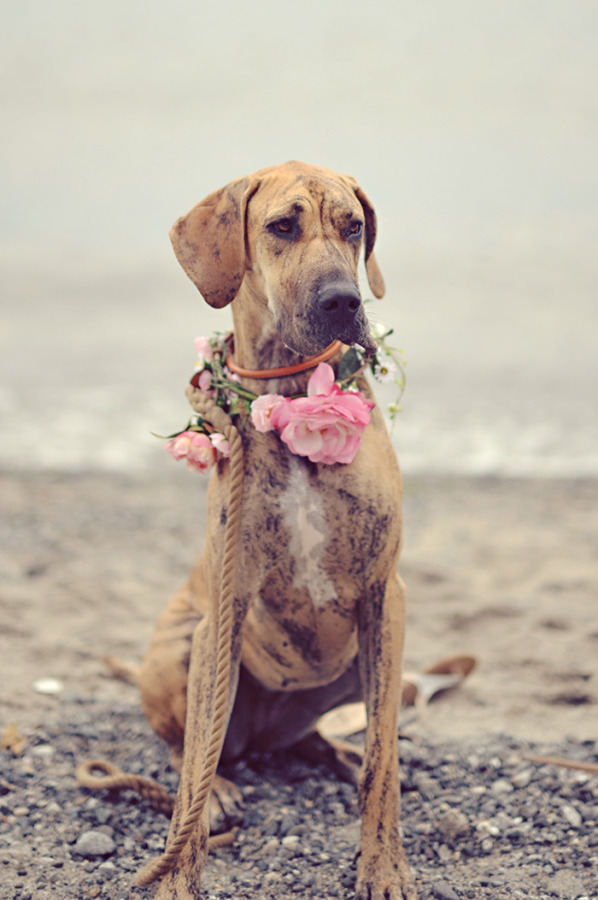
column 220, row 444
column 193, row 447
column 262, row 409
column 204, row 350
column 231, row 376
column 204, row 382
column 326, row 425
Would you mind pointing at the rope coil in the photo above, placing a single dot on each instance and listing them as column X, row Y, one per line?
column 115, row 779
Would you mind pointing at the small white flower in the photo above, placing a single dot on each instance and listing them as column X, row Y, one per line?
column 379, row 330
column 386, row 371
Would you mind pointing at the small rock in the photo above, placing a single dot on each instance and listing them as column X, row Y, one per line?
column 287, row 823
column 44, row 751
column 522, row 779
column 502, row 786
column 444, row 853
column 443, row 891
column 452, row 824
column 270, row 847
column 108, row 869
column 426, row 786
column 572, row 816
column 94, row 843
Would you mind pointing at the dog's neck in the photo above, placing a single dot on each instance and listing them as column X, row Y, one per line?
column 261, row 349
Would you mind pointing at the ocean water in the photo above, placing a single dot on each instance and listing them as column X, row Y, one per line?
column 472, row 127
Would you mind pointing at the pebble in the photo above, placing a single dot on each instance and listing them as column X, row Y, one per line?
column 428, row 788
column 270, row 847
column 522, row 779
column 572, row 816
column 502, row 786
column 94, row 843
column 290, row 840
column 108, row 869
column 443, row 891
column 452, row 824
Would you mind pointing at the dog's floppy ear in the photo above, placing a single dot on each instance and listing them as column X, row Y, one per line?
column 209, row 241
column 374, row 274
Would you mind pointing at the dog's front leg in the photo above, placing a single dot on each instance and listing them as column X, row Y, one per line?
column 182, row 881
column 382, row 872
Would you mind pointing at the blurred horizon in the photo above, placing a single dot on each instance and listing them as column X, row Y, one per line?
column 471, row 127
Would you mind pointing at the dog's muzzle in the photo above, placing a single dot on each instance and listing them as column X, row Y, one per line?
column 339, row 303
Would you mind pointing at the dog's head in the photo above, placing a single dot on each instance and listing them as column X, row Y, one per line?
column 292, row 235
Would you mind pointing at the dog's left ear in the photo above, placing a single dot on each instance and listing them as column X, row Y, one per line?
column 374, row 274
column 209, row 241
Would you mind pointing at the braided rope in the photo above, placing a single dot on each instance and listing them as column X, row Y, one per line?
column 224, row 624
column 115, row 779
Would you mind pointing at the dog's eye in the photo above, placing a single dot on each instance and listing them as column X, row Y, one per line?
column 283, row 227
column 355, row 228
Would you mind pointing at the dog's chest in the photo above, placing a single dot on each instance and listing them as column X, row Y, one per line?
column 303, row 515
column 322, row 541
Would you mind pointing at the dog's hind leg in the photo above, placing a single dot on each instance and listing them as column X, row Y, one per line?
column 201, row 739
column 163, row 682
column 163, row 674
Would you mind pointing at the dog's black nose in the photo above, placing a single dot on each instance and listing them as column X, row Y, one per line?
column 339, row 301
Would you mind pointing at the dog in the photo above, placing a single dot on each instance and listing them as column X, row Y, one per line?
column 319, row 611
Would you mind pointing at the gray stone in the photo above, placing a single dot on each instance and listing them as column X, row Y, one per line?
column 572, row 816
column 501, row 786
column 522, row 779
column 94, row 843
column 108, row 869
column 452, row 824
column 443, row 891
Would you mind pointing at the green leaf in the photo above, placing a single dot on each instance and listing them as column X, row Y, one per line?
column 349, row 364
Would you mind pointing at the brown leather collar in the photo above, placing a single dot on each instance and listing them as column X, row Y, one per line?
column 310, row 363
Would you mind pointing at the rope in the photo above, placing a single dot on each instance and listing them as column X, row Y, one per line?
column 115, row 778
column 224, row 625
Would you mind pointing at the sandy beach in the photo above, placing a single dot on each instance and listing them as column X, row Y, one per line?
column 504, row 570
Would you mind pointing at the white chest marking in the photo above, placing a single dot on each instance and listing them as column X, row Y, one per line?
column 304, row 517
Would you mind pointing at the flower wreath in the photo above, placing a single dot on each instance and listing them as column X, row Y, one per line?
column 325, row 424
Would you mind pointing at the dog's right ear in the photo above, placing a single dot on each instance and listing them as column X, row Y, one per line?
column 209, row 241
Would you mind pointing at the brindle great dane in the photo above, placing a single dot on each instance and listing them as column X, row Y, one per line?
column 319, row 607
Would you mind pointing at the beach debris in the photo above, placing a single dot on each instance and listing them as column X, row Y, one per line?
column 12, row 740
column 418, row 691
column 48, row 686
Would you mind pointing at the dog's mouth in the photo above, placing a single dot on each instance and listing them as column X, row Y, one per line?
column 359, row 333
column 334, row 312
column 317, row 340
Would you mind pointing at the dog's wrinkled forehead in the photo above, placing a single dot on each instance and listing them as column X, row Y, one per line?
column 324, row 197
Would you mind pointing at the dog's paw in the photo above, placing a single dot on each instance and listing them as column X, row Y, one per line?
column 386, row 891
column 226, row 805
column 385, row 882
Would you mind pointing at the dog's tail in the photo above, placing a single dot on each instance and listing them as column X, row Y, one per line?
column 123, row 670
